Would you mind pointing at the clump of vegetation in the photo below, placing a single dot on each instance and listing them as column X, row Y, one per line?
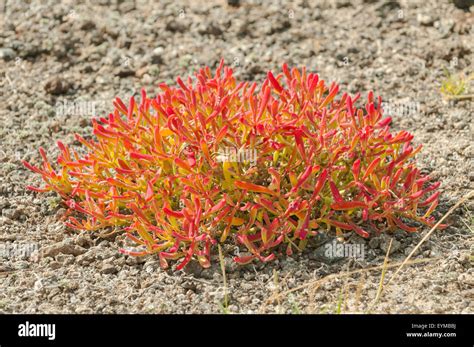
column 456, row 86
column 214, row 160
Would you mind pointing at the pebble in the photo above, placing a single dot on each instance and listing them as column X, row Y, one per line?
column 87, row 257
column 65, row 259
column 157, row 56
column 87, row 25
column 54, row 265
column 211, row 29
column 7, row 54
column 463, row 4
column 108, row 269
column 127, row 6
column 125, row 72
column 175, row 26
column 21, row 265
column 151, row 266
column 189, row 285
column 374, row 243
column 11, row 213
column 63, row 248
column 385, row 242
column 425, row 19
column 256, row 301
column 233, row 308
column 56, row 86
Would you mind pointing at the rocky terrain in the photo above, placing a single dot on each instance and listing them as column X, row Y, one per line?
column 63, row 62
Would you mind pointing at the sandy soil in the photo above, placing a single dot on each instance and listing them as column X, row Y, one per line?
column 61, row 64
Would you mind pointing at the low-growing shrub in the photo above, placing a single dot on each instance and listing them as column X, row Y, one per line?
column 213, row 160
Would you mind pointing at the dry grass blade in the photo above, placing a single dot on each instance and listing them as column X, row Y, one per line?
column 113, row 232
column 276, row 293
column 459, row 203
column 276, row 285
column 460, row 97
column 382, row 277
column 224, row 278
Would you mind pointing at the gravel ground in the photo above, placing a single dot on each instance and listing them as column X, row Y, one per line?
column 61, row 64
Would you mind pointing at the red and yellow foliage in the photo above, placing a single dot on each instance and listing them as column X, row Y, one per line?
column 154, row 168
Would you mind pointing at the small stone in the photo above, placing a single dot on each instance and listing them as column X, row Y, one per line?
column 147, row 79
column 83, row 241
column 193, row 268
column 207, row 274
column 175, row 26
column 108, row 269
column 445, row 26
column 189, row 285
column 82, row 309
column 249, row 276
column 136, row 260
column 425, row 19
column 120, row 262
column 256, row 69
column 470, row 294
column 233, row 308
column 7, row 54
column 244, row 29
column 280, row 27
column 464, row 258
column 5, row 268
column 54, row 265
column 156, row 56
column 125, row 72
column 385, row 242
column 86, row 258
column 151, row 266
column 127, row 7
column 71, row 286
column 4, row 204
column 66, row 259
column 56, row 86
column 374, row 243
column 463, row 4
column 21, row 265
column 142, row 71
column 326, row 253
column 63, row 248
column 88, row 25
column 211, row 29
column 466, row 279
column 11, row 213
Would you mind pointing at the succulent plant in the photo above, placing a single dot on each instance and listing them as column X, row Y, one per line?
column 213, row 160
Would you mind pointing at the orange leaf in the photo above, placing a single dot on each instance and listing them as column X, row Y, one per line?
column 254, row 188
column 348, row 205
